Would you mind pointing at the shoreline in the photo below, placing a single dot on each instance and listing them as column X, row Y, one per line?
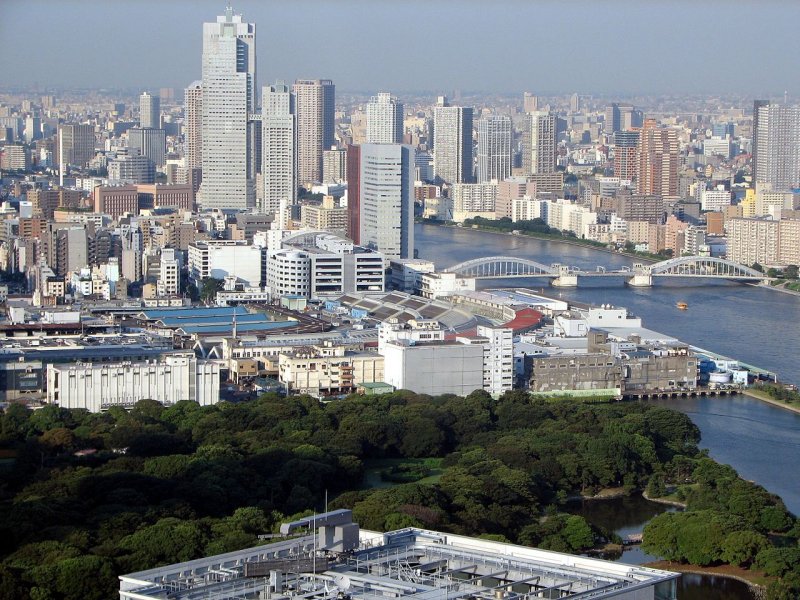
column 664, row 501
column 758, row 589
column 777, row 403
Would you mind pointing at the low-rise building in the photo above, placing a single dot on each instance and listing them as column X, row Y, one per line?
column 328, row 370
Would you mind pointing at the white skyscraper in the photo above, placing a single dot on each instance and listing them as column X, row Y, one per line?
column 149, row 111
column 278, row 154
column 229, row 84
column 494, row 148
column 386, row 212
column 384, row 120
column 452, row 143
column 777, row 146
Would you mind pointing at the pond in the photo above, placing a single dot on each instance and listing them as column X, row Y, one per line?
column 627, row 515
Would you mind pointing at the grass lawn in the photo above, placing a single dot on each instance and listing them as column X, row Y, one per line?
column 388, row 472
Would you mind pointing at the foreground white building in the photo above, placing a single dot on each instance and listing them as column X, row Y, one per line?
column 100, row 386
column 408, row 564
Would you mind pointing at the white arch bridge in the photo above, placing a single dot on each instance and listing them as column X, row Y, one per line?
column 639, row 275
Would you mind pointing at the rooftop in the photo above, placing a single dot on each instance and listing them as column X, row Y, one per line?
column 343, row 562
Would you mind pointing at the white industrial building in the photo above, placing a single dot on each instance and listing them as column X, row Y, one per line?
column 223, row 258
column 417, row 357
column 99, row 386
column 335, row 558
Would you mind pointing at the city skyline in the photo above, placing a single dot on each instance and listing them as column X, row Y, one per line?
column 314, row 38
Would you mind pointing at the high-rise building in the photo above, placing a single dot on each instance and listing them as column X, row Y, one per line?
column 541, row 140
column 278, row 154
column 494, row 148
column 386, row 199
column 757, row 104
column 353, row 176
column 575, row 103
column 75, row 145
column 625, row 143
column 530, row 102
column 316, row 127
column 151, row 143
column 657, row 160
column 131, row 169
column 452, row 147
column 777, row 146
column 384, row 120
column 229, row 89
column 193, row 124
column 149, row 111
column 621, row 117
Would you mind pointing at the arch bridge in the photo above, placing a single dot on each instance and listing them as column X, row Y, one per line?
column 640, row 275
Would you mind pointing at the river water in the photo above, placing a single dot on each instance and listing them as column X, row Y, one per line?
column 757, row 326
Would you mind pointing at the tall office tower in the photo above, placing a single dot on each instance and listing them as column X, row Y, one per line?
column 530, row 102
column 149, row 111
column 229, row 89
column 540, row 151
column 494, row 148
column 625, row 143
column 316, row 127
column 575, row 103
column 279, row 167
column 384, row 120
column 151, row 143
column 193, row 125
column 777, row 147
column 452, row 135
column 757, row 104
column 657, row 160
column 621, row 117
column 386, row 199
column 75, row 145
column 353, row 175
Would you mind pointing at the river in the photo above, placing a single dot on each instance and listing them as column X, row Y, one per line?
column 755, row 325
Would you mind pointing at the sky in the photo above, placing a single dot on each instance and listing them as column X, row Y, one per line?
column 621, row 47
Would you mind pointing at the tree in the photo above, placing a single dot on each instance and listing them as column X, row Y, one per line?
column 209, row 287
column 741, row 547
column 791, row 272
column 757, row 267
column 578, row 534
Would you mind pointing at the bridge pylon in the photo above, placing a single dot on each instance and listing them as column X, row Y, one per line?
column 566, row 277
column 642, row 276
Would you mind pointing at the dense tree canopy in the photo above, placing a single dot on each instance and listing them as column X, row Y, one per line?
column 121, row 491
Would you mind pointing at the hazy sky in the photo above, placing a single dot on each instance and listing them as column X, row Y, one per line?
column 588, row 46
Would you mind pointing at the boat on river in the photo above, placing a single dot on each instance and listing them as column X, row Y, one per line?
column 682, row 306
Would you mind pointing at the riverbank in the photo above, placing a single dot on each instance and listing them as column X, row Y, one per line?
column 755, row 580
column 548, row 238
column 665, row 501
column 766, row 399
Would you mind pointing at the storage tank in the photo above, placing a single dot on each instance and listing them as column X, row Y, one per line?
column 720, row 377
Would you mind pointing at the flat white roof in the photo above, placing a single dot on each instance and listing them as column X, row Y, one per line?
column 408, row 563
